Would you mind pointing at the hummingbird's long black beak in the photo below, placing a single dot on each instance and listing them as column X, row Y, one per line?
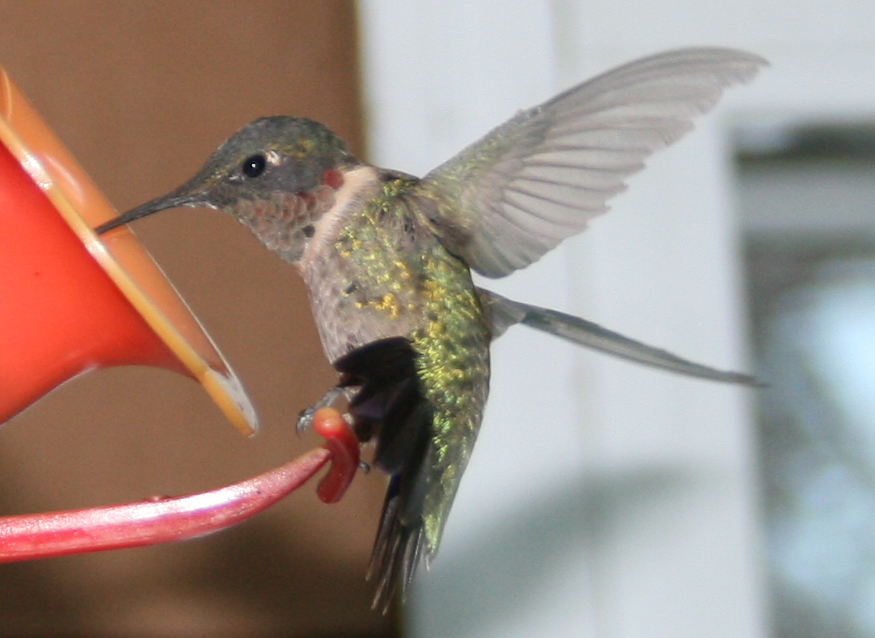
column 175, row 199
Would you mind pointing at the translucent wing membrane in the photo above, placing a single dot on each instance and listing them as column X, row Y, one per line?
column 540, row 177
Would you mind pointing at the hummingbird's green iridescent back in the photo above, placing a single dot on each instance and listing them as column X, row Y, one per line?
column 384, row 274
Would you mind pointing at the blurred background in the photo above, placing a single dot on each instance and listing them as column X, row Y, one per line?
column 603, row 499
column 142, row 93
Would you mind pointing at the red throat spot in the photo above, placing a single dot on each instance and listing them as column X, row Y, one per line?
column 333, row 178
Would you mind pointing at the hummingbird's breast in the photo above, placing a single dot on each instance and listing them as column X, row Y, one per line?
column 375, row 269
column 358, row 270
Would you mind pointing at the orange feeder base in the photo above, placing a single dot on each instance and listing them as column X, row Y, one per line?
column 60, row 314
column 71, row 301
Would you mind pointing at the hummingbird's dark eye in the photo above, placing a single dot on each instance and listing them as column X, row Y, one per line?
column 254, row 166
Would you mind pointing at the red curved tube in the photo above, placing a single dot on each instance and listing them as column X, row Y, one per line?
column 147, row 522
column 152, row 521
column 344, row 446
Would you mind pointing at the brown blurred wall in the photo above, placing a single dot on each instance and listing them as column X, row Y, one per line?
column 142, row 92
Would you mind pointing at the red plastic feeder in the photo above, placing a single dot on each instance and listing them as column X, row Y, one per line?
column 71, row 301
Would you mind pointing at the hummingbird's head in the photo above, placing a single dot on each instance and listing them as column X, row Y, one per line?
column 277, row 175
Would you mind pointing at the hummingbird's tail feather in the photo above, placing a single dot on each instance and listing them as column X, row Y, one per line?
column 503, row 313
column 389, row 405
column 397, row 550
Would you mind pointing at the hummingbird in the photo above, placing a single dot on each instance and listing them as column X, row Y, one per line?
column 387, row 259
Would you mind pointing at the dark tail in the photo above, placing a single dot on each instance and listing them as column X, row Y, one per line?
column 390, row 407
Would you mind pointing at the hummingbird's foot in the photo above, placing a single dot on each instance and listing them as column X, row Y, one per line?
column 305, row 418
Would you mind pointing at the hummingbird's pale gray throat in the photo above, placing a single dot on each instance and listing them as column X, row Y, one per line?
column 387, row 259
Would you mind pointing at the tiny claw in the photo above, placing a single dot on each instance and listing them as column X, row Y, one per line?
column 343, row 444
column 305, row 420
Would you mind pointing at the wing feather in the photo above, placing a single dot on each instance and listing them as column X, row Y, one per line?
column 540, row 177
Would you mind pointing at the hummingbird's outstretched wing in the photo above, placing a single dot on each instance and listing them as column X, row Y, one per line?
column 503, row 313
column 538, row 178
